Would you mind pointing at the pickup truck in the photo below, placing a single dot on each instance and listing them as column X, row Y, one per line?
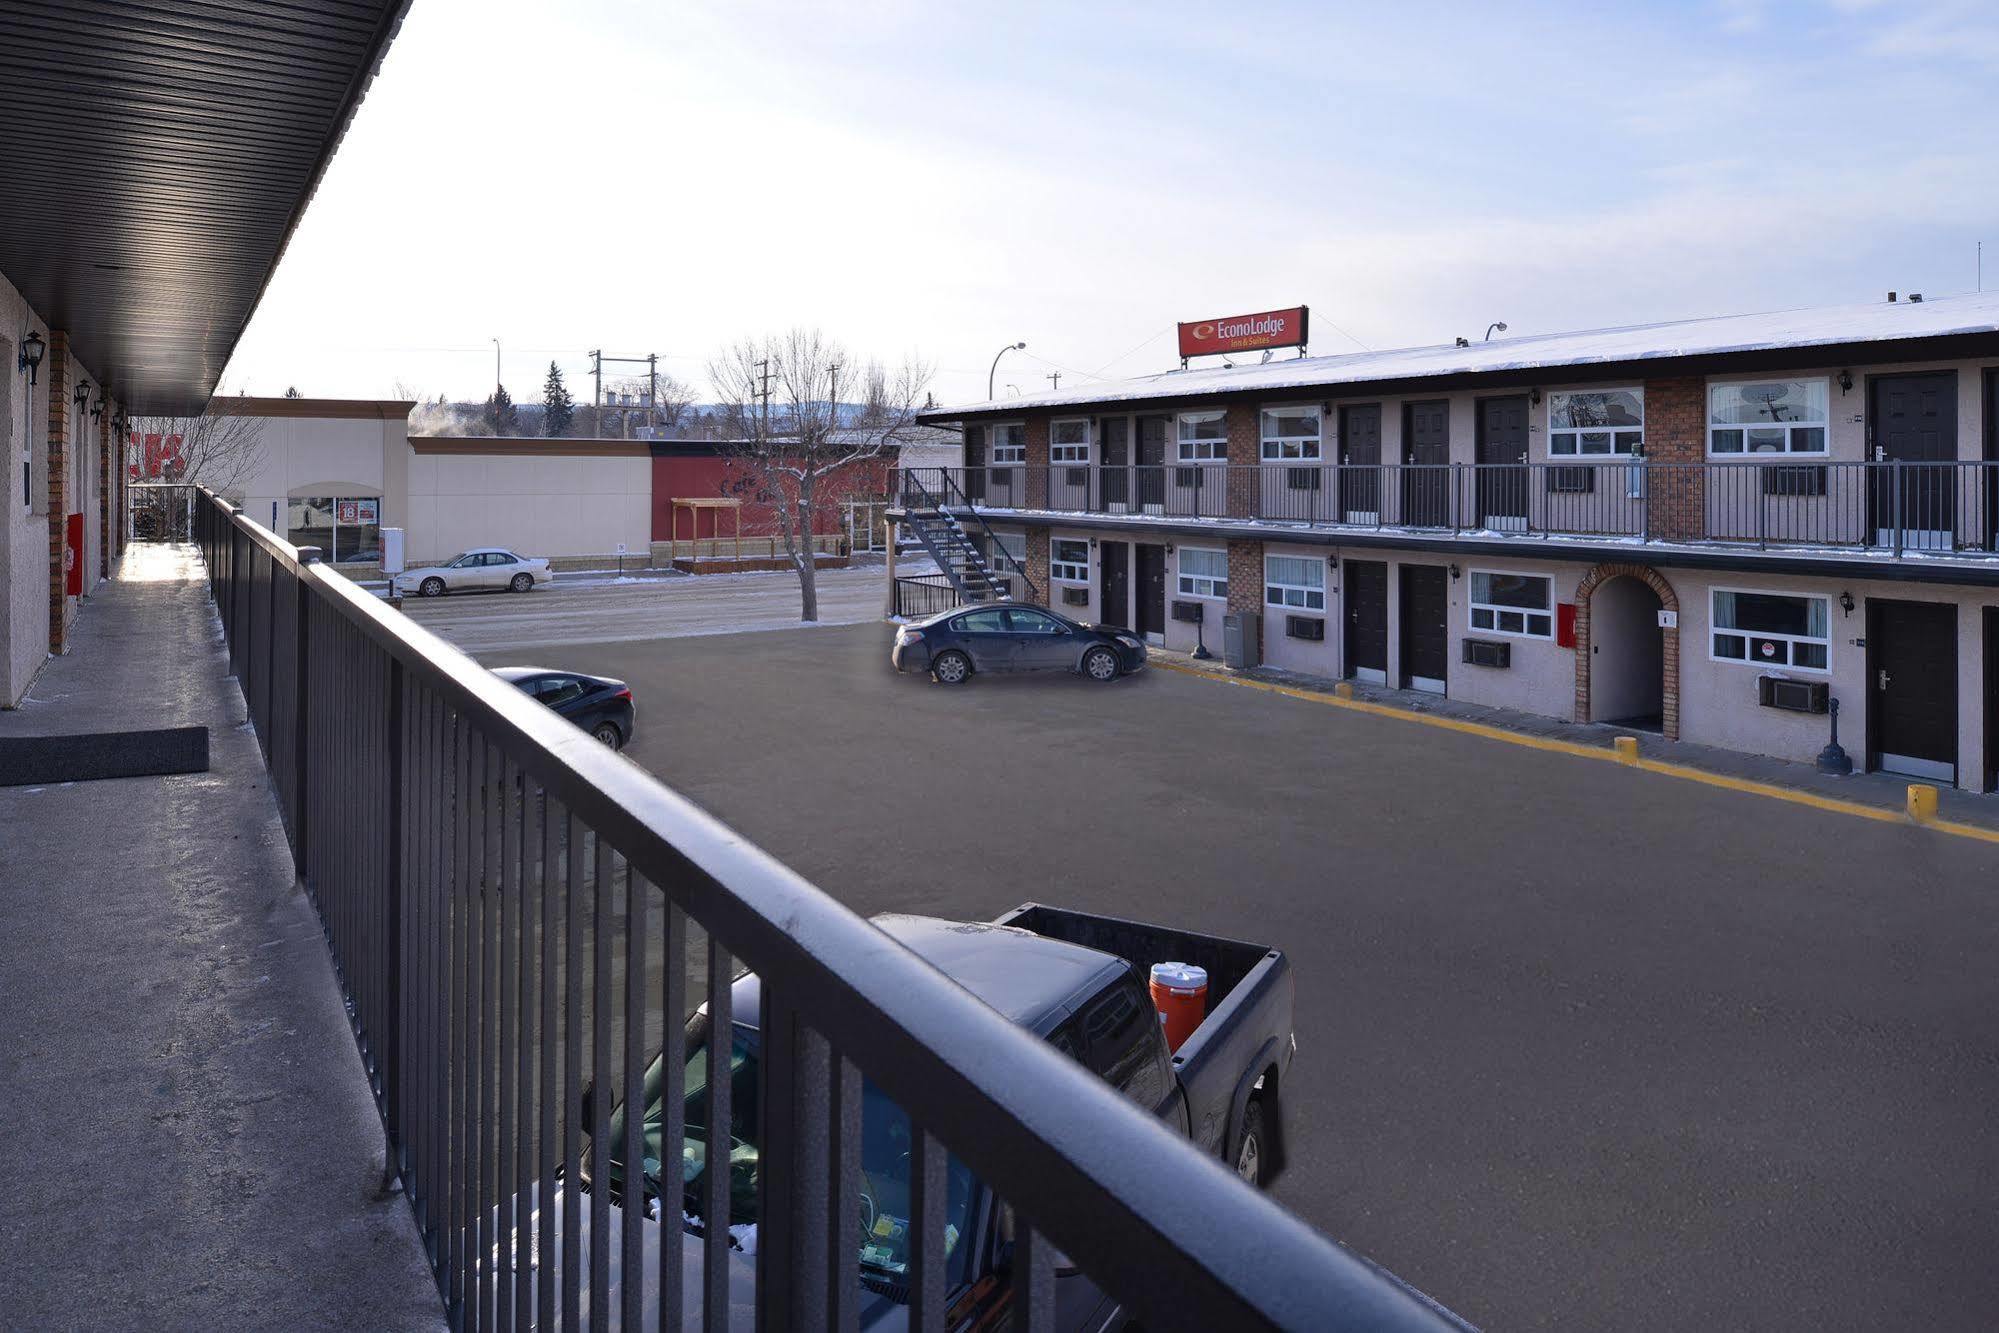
column 1076, row 980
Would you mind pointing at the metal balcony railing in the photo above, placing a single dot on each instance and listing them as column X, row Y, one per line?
column 512, row 909
column 1895, row 507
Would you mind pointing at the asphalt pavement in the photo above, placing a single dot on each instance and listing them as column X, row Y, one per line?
column 1579, row 1046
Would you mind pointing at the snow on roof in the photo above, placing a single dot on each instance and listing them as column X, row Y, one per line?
column 1877, row 321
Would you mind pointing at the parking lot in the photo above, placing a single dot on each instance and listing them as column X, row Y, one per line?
column 1579, row 1046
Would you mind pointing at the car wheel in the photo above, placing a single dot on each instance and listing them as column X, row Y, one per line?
column 1100, row 664
column 607, row 732
column 952, row 668
column 432, row 587
column 1253, row 1156
column 522, row 582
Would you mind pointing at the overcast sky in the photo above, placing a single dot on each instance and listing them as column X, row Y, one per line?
column 934, row 179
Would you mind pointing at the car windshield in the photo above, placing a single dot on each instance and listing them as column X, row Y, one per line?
column 882, row 1230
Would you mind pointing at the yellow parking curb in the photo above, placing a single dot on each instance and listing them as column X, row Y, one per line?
column 1920, row 808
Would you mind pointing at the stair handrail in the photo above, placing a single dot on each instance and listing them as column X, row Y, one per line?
column 992, row 540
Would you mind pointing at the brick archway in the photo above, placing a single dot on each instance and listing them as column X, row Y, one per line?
column 1669, row 650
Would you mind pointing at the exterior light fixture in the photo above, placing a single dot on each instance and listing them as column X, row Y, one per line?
column 32, row 348
column 1169, row 548
column 1454, row 572
column 1534, row 396
column 1845, row 381
column 97, row 408
column 1846, row 602
column 993, row 369
column 82, row 394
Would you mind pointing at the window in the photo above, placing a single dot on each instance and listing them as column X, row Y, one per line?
column 1204, row 437
column 1008, row 544
column 1767, row 417
column 1771, row 629
column 1512, row 604
column 1204, row 573
column 345, row 528
column 1596, row 422
column 1069, row 441
column 1123, row 1030
column 1009, row 444
column 1294, row 580
column 991, row 621
column 555, row 690
column 1069, row 560
column 1033, row 622
column 1290, row 434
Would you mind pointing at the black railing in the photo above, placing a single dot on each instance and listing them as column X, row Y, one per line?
column 950, row 493
column 1875, row 506
column 919, row 595
column 516, row 913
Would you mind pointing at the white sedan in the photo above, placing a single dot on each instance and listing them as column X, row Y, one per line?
column 485, row 568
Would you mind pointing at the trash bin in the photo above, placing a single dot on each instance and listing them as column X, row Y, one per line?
column 1242, row 640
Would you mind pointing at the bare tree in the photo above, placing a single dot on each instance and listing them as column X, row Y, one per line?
column 783, row 393
column 220, row 449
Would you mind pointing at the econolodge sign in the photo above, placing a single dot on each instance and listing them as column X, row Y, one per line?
column 1244, row 333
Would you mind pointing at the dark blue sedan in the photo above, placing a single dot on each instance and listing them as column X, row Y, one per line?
column 601, row 706
column 954, row 645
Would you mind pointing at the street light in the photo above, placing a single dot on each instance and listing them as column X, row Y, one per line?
column 496, row 367
column 1010, row 347
column 1499, row 324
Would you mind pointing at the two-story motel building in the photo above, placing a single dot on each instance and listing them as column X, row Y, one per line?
column 1712, row 528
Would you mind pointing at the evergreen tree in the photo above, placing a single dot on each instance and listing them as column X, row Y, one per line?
column 501, row 418
column 556, row 404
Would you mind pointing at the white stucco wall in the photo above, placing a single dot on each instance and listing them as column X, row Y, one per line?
column 542, row 506
column 350, row 456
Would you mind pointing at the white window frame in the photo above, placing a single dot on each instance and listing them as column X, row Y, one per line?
column 1573, row 434
column 1823, row 424
column 1068, row 571
column 1291, row 448
column 1200, row 585
column 1473, row 607
column 1201, row 451
column 1069, row 453
column 1313, row 599
column 1017, row 452
column 1715, row 628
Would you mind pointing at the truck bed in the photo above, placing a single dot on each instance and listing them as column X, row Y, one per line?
column 1247, row 1032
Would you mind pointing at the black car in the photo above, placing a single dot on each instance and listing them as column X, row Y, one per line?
column 952, row 645
column 600, row 706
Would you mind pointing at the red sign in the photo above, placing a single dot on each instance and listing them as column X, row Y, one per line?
column 1244, row 333
column 348, row 513
column 72, row 556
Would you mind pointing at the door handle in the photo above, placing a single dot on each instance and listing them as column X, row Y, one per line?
column 1882, row 677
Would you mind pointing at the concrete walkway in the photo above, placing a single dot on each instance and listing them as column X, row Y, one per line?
column 189, row 1140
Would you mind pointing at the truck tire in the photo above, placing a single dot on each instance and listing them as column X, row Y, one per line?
column 1252, row 1155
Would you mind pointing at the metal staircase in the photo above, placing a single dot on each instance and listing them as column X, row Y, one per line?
column 927, row 514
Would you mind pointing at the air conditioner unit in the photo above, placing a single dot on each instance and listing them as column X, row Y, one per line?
column 1486, row 653
column 1796, row 696
column 1190, row 612
column 1075, row 597
column 1305, row 627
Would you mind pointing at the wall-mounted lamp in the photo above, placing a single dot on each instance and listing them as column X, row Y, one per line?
column 1534, row 397
column 1169, row 548
column 1845, row 381
column 1846, row 602
column 121, row 424
column 81, row 395
column 1093, row 543
column 32, row 347
column 1325, row 409
column 1454, row 573
column 97, row 408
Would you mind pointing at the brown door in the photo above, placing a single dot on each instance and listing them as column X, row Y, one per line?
column 1425, row 629
column 1114, row 584
column 1360, row 463
column 1426, row 464
column 1151, row 585
column 1913, row 419
column 1365, row 591
column 1502, row 454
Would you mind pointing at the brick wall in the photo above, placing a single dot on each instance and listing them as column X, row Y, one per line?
column 1037, row 540
column 104, row 493
column 1244, row 446
column 1037, row 465
column 1676, row 434
column 55, row 368
column 1246, row 578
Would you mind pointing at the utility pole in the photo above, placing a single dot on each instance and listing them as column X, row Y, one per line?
column 833, row 407
column 763, row 376
column 1055, row 380
column 652, row 388
column 597, row 391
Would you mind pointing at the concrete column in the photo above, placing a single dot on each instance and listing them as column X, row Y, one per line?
column 55, row 369
column 888, row 564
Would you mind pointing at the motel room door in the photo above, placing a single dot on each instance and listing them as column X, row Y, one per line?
column 1912, row 688
column 1426, row 632
column 1360, row 458
column 1502, row 444
column 1426, row 476
column 1365, row 590
column 1151, row 585
column 1914, row 422
column 1114, row 583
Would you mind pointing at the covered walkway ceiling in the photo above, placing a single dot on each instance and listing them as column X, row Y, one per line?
column 155, row 156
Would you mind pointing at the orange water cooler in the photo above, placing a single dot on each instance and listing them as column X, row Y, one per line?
column 1180, row 994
